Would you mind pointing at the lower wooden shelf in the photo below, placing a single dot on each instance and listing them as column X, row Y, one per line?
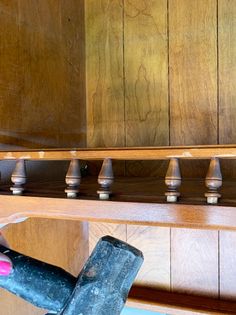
column 177, row 304
column 135, row 201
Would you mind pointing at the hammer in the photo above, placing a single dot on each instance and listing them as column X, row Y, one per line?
column 101, row 288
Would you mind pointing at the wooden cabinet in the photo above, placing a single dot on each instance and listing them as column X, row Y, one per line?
column 118, row 73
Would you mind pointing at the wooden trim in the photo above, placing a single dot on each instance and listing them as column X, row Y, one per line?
column 177, row 304
column 156, row 214
column 132, row 153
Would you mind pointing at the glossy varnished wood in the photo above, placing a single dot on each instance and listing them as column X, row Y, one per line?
column 146, row 73
column 42, row 87
column 193, row 71
column 133, row 202
column 104, row 73
column 125, row 153
column 178, row 304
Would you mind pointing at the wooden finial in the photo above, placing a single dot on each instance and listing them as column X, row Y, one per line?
column 73, row 179
column 105, row 179
column 173, row 180
column 18, row 178
column 213, row 181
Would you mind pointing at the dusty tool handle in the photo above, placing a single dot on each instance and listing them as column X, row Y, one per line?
column 41, row 284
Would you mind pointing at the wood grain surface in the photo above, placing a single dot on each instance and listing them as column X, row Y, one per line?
column 227, row 134
column 42, row 89
column 193, row 119
column 146, row 73
column 100, row 229
column 193, row 71
column 178, row 304
column 104, row 73
column 155, row 244
column 10, row 79
column 157, row 73
column 227, row 75
column 194, row 258
column 227, row 71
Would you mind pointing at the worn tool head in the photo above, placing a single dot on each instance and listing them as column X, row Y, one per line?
column 101, row 288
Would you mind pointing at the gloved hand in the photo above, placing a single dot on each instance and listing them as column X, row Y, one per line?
column 5, row 262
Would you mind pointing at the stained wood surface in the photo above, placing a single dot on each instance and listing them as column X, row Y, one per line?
column 193, row 72
column 227, row 70
column 100, row 229
column 177, row 304
column 146, row 73
column 129, row 46
column 123, row 153
column 155, row 244
column 41, row 92
column 42, row 66
column 57, row 242
column 227, row 114
column 134, row 202
column 104, row 70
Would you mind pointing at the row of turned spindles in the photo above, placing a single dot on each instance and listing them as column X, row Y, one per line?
column 173, row 180
column 73, row 179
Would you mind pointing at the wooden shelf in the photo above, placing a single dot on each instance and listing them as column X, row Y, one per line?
column 135, row 201
column 178, row 304
column 125, row 153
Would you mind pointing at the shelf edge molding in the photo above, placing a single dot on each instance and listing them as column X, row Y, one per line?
column 13, row 208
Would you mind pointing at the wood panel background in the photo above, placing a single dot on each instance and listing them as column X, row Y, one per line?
column 42, row 89
column 122, row 73
column 176, row 86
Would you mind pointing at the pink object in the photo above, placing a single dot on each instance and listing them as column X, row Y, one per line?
column 5, row 268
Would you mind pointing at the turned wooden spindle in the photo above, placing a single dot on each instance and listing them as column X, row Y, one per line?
column 18, row 178
column 173, row 180
column 213, row 181
column 105, row 179
column 73, row 179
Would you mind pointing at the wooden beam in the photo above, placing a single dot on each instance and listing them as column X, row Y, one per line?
column 132, row 153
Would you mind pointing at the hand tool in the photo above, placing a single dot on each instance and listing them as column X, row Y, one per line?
column 101, row 288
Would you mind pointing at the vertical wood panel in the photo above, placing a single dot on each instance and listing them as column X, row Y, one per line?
column 10, row 79
column 194, row 261
column 41, row 70
column 227, row 77
column 193, row 120
column 155, row 244
column 63, row 243
column 227, row 71
column 227, row 133
column 146, row 73
column 40, row 91
column 104, row 69
column 193, row 71
column 72, row 112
